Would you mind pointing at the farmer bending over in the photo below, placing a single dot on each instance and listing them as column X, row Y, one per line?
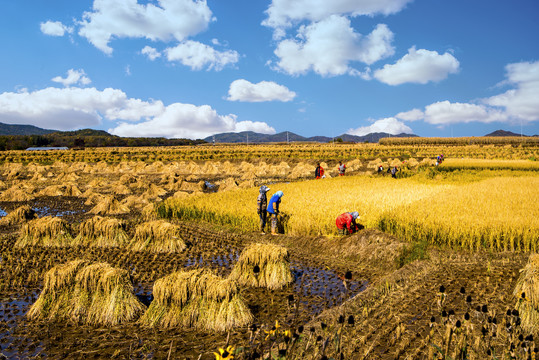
column 346, row 223
column 262, row 203
column 273, row 209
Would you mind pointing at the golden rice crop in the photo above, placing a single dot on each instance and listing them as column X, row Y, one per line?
column 527, row 293
column 272, row 264
column 497, row 213
column 493, row 164
column 46, row 231
column 102, row 232
column 157, row 236
column 94, row 294
column 199, row 299
column 312, row 205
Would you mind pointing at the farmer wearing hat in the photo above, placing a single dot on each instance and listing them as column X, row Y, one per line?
column 262, row 203
column 346, row 223
column 273, row 209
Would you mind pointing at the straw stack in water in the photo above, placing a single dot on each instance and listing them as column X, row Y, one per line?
column 94, row 294
column 157, row 236
column 102, row 232
column 46, row 231
column 527, row 293
column 20, row 215
column 199, row 299
column 264, row 265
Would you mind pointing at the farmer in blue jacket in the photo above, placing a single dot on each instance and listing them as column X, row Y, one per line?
column 273, row 209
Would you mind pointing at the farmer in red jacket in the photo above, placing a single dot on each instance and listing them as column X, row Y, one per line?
column 346, row 223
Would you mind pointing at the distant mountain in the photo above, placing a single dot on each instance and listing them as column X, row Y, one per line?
column 84, row 132
column 503, row 133
column 253, row 137
column 8, row 129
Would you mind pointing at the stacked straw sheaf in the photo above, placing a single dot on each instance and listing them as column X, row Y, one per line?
column 157, row 236
column 109, row 206
column 20, row 215
column 46, row 231
column 102, row 232
column 93, row 294
column 199, row 299
column 264, row 265
column 527, row 293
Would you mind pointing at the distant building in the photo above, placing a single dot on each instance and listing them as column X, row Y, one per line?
column 47, row 148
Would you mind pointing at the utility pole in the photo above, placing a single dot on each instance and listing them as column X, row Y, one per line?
column 247, row 139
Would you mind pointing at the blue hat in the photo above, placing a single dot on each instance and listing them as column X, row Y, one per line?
column 355, row 215
column 279, row 193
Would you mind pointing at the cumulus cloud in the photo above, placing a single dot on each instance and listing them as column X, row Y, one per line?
column 285, row 13
column 73, row 77
column 445, row 113
column 197, row 56
column 418, row 66
column 412, row 115
column 150, row 52
column 520, row 102
column 74, row 108
column 243, row 90
column 167, row 20
column 327, row 47
column 55, row 28
column 388, row 125
column 188, row 121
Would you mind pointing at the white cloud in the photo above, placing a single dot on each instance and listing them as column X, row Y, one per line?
column 243, row 90
column 188, row 121
column 522, row 101
column 285, row 13
column 418, row 66
column 445, row 113
column 168, row 20
column 197, row 55
column 327, row 47
column 73, row 77
column 74, row 108
column 54, row 28
column 388, row 125
column 150, row 52
column 412, row 115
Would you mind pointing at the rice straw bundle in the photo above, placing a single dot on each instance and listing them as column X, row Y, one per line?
column 272, row 263
column 154, row 191
column 20, row 215
column 527, row 293
column 102, row 232
column 157, row 236
column 15, row 193
column 94, row 294
column 46, row 231
column 109, row 206
column 199, row 299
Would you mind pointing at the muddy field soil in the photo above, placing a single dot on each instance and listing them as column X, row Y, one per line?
column 317, row 287
column 392, row 307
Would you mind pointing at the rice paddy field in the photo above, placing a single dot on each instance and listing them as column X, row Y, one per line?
column 155, row 253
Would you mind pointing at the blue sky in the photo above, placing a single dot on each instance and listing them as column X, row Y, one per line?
column 190, row 69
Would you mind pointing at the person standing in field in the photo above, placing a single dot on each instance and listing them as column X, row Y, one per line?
column 346, row 223
column 342, row 168
column 319, row 171
column 394, row 172
column 262, row 203
column 273, row 209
